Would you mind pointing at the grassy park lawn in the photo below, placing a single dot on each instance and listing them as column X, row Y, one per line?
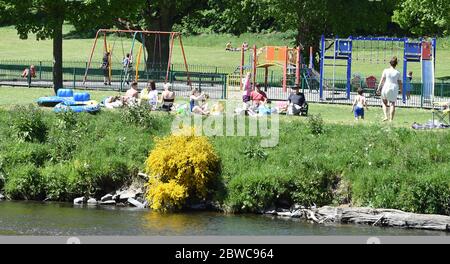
column 332, row 114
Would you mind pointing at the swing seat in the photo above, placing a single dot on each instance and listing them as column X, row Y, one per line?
column 63, row 95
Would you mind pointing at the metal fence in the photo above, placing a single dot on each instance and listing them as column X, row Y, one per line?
column 206, row 78
column 218, row 82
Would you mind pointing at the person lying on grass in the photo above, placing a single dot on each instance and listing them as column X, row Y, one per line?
column 359, row 105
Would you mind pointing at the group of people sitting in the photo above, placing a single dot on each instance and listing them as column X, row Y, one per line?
column 229, row 47
column 149, row 95
column 256, row 102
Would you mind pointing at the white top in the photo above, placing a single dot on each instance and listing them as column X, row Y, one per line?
column 391, row 84
column 153, row 97
column 392, row 77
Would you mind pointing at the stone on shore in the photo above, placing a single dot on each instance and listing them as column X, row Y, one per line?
column 136, row 203
column 106, row 198
column 92, row 201
column 80, row 200
column 110, row 202
column 2, row 197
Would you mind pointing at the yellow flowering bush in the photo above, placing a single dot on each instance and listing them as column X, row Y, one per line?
column 180, row 166
column 166, row 196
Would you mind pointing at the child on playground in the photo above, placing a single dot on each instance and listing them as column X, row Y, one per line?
column 105, row 67
column 29, row 72
column 127, row 67
column 359, row 105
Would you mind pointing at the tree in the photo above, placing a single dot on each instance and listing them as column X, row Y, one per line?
column 424, row 17
column 230, row 16
column 155, row 15
column 44, row 18
column 312, row 18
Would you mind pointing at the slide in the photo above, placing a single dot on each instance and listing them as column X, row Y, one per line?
column 428, row 80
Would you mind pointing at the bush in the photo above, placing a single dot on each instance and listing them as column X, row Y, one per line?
column 25, row 182
column 28, row 124
column 141, row 116
column 254, row 193
column 316, row 124
column 181, row 161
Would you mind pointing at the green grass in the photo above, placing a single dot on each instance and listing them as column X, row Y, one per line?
column 333, row 114
column 200, row 50
column 45, row 155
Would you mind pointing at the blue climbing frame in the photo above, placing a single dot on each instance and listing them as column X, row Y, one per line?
column 343, row 49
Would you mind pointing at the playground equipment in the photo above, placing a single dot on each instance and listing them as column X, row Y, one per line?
column 143, row 37
column 377, row 50
column 273, row 56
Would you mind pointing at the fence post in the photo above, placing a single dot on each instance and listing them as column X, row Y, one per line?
column 224, row 86
column 74, row 77
column 29, row 77
column 40, row 70
column 421, row 97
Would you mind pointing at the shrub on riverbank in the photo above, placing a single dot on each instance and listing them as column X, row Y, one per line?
column 80, row 154
column 180, row 167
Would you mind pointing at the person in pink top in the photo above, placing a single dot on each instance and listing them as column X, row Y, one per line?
column 258, row 96
column 133, row 91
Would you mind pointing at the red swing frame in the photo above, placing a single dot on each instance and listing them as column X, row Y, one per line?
column 173, row 36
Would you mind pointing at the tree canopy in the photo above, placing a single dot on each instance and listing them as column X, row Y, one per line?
column 424, row 17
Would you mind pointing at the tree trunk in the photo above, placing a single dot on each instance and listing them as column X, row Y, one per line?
column 58, row 57
column 158, row 46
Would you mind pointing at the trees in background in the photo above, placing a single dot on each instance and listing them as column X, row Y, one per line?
column 155, row 15
column 45, row 18
column 424, row 17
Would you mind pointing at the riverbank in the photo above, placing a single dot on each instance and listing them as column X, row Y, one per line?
column 69, row 156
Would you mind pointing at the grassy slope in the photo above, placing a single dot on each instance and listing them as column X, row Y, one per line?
column 200, row 50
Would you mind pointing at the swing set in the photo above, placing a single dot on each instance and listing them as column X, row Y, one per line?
column 376, row 50
column 141, row 36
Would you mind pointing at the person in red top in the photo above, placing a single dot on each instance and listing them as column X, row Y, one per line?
column 258, row 96
column 29, row 71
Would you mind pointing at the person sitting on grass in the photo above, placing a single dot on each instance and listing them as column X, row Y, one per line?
column 149, row 95
column 297, row 102
column 29, row 72
column 132, row 95
column 258, row 96
column 229, row 47
column 359, row 105
column 198, row 102
column 167, row 98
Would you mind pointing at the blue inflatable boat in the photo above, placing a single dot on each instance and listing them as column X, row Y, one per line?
column 63, row 95
column 80, row 103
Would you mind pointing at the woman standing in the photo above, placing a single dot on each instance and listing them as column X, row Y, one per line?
column 389, row 88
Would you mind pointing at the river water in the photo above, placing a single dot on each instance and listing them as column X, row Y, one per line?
column 61, row 219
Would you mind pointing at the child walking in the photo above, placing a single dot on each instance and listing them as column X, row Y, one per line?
column 359, row 105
